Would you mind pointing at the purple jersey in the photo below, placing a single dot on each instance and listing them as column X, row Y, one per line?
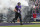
column 18, row 8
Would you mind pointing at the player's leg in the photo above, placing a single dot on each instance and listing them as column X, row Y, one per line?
column 16, row 16
column 20, row 19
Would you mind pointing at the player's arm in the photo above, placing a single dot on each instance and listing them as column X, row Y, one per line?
column 15, row 9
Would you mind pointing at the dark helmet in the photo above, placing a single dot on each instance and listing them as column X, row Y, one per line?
column 19, row 3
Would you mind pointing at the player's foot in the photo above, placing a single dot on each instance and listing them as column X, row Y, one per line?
column 13, row 21
column 21, row 24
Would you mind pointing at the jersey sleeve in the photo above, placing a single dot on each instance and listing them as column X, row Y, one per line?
column 16, row 7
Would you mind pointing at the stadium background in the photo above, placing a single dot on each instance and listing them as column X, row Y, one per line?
column 7, row 13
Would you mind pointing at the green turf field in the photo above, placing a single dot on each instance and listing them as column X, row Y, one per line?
column 23, row 26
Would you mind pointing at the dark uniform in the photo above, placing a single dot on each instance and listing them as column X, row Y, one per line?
column 18, row 14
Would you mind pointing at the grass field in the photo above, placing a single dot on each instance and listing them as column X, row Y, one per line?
column 23, row 26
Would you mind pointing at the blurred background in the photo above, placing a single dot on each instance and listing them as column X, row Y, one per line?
column 28, row 8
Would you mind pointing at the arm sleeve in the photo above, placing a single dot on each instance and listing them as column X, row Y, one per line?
column 16, row 8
